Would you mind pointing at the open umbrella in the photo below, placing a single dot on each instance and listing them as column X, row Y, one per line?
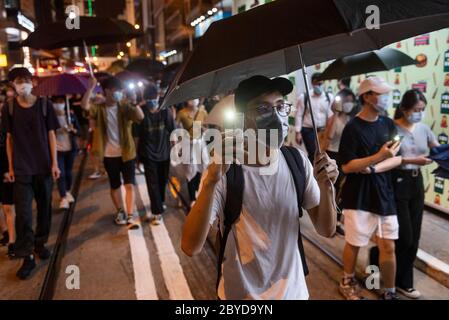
column 286, row 35
column 91, row 31
column 145, row 67
column 377, row 60
column 61, row 85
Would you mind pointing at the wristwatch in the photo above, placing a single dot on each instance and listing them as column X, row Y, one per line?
column 372, row 169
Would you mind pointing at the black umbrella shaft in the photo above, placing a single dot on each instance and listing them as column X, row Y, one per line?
column 307, row 101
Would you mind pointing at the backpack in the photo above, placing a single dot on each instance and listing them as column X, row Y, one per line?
column 43, row 104
column 233, row 205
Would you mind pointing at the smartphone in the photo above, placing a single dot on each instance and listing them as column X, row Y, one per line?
column 398, row 138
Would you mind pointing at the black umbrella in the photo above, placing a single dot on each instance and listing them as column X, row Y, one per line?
column 145, row 67
column 91, row 31
column 274, row 38
column 378, row 60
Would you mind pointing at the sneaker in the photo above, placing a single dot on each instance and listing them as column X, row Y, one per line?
column 121, row 218
column 5, row 240
column 69, row 197
column 11, row 251
column 64, row 204
column 42, row 252
column 157, row 220
column 27, row 267
column 388, row 295
column 95, row 175
column 131, row 223
column 411, row 293
column 351, row 290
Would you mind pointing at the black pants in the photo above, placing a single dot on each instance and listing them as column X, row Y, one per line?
column 308, row 136
column 26, row 188
column 193, row 186
column 409, row 194
column 156, row 177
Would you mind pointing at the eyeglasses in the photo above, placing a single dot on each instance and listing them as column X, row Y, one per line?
column 283, row 109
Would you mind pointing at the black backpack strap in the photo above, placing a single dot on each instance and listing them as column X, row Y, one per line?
column 44, row 106
column 232, row 209
column 296, row 166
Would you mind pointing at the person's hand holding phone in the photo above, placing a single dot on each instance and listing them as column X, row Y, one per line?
column 390, row 149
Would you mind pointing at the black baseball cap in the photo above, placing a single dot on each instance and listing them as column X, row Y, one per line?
column 19, row 72
column 257, row 85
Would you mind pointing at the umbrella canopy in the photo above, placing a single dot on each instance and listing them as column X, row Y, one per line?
column 378, row 60
column 92, row 31
column 61, row 84
column 267, row 40
column 145, row 67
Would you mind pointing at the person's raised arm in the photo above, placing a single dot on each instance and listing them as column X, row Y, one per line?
column 85, row 102
column 324, row 216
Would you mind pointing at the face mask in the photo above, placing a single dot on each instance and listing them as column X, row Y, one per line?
column 152, row 104
column 117, row 96
column 415, row 117
column 269, row 122
column 59, row 106
column 383, row 102
column 24, row 89
column 347, row 107
column 318, row 90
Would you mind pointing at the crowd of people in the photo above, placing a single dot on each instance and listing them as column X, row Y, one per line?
column 369, row 165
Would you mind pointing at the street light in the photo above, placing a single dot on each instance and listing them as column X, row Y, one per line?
column 128, row 44
column 121, row 53
column 137, row 26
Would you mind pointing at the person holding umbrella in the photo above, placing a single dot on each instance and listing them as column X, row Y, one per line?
column 261, row 259
column 368, row 151
column 114, row 143
column 408, row 185
column 67, row 149
column 32, row 157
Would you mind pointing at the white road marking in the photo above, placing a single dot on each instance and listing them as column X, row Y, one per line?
column 172, row 272
column 143, row 275
column 433, row 262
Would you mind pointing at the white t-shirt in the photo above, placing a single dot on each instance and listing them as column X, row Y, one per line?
column 112, row 148
column 321, row 109
column 262, row 259
column 339, row 124
column 63, row 142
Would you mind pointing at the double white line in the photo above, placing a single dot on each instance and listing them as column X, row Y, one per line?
column 172, row 272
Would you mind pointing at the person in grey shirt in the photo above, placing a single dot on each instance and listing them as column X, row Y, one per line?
column 417, row 138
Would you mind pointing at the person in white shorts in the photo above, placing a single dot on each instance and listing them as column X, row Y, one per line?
column 368, row 151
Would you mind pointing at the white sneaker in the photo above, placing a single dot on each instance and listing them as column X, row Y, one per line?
column 411, row 293
column 157, row 220
column 69, row 197
column 95, row 175
column 64, row 204
column 131, row 223
column 121, row 218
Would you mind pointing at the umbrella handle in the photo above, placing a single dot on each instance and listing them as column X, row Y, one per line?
column 86, row 52
column 307, row 101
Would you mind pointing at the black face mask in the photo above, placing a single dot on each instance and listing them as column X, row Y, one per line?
column 267, row 122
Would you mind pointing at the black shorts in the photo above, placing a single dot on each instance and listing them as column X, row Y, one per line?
column 115, row 166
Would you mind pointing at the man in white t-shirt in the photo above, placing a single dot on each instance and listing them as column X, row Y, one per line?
column 261, row 258
column 321, row 107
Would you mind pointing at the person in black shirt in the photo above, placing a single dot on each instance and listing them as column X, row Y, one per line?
column 30, row 123
column 154, row 149
column 367, row 153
